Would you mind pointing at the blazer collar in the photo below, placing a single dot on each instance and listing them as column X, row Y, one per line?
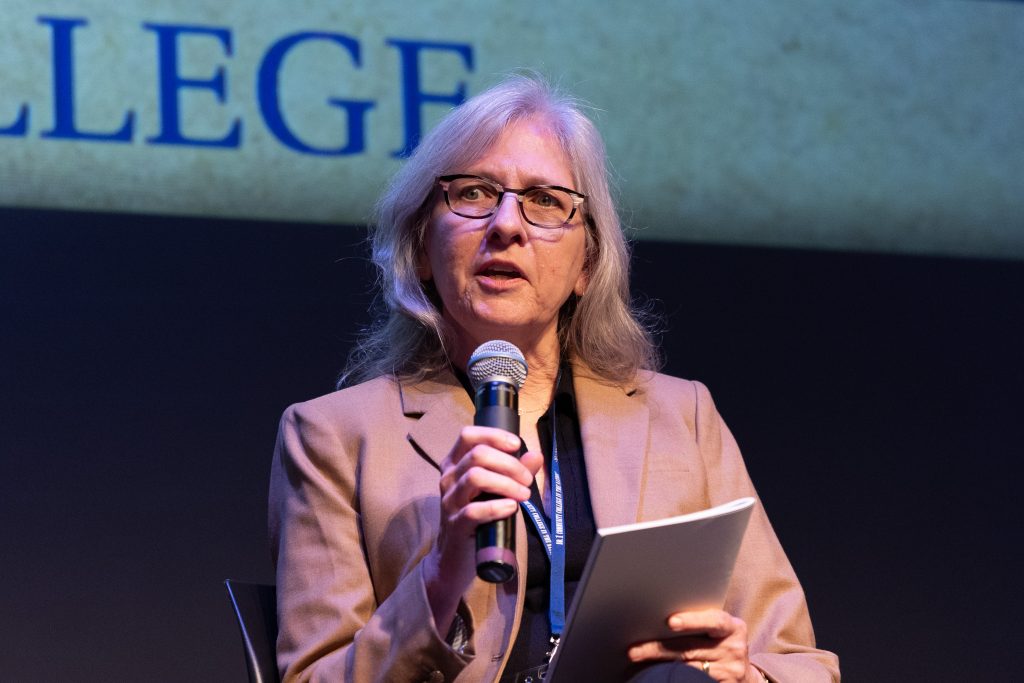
column 441, row 407
column 614, row 424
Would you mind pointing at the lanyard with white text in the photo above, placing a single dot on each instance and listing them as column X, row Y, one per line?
column 556, row 549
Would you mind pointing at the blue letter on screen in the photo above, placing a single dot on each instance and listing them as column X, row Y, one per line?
column 270, row 100
column 171, row 84
column 64, row 88
column 19, row 127
column 413, row 98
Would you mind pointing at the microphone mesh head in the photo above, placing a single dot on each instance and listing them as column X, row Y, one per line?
column 497, row 360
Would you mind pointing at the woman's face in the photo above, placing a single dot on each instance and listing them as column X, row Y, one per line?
column 500, row 277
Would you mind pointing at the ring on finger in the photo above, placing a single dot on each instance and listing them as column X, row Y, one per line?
column 705, row 666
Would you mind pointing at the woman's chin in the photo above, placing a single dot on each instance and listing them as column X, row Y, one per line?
column 511, row 326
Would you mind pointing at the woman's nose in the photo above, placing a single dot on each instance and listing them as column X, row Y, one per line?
column 507, row 222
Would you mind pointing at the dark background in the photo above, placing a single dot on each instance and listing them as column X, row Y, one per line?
column 144, row 362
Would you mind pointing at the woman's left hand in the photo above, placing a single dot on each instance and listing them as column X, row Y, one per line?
column 711, row 640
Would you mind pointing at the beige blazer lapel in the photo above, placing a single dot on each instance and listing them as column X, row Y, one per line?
column 614, row 425
column 441, row 408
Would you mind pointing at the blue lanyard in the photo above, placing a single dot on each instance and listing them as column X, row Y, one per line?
column 555, row 548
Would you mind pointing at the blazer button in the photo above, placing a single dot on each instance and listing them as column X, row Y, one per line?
column 435, row 677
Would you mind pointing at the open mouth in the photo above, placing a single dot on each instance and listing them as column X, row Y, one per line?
column 500, row 271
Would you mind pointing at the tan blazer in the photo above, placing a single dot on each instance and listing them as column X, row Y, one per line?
column 354, row 507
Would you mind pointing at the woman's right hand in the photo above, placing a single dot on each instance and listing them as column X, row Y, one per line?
column 482, row 460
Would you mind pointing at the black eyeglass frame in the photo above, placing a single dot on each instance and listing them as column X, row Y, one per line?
column 577, row 197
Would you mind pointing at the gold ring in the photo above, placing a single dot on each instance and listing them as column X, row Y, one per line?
column 706, row 666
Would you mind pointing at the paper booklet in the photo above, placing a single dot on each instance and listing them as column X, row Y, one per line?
column 639, row 574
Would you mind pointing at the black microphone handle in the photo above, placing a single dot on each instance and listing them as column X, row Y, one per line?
column 497, row 405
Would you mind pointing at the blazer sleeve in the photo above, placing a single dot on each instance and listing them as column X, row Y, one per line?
column 331, row 627
column 764, row 591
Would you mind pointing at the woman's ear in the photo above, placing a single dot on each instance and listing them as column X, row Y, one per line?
column 590, row 247
column 581, row 282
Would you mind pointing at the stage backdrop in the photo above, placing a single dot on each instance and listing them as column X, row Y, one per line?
column 145, row 362
column 874, row 125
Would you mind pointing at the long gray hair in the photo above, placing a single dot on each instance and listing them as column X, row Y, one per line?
column 410, row 339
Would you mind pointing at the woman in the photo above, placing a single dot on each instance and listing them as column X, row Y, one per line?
column 501, row 226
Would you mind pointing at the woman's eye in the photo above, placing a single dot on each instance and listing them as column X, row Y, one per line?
column 545, row 200
column 474, row 193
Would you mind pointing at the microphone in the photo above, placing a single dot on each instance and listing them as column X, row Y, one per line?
column 496, row 370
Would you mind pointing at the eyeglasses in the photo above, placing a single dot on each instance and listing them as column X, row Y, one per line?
column 546, row 206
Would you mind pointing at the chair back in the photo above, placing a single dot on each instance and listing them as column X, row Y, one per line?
column 255, row 606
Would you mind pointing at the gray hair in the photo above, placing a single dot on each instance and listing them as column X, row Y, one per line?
column 410, row 338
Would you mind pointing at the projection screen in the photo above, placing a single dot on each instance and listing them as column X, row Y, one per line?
column 879, row 125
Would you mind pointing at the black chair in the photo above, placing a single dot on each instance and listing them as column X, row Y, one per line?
column 255, row 606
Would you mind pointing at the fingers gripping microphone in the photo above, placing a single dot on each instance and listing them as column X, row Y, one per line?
column 496, row 370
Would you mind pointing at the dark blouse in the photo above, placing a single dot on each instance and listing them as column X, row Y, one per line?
column 531, row 642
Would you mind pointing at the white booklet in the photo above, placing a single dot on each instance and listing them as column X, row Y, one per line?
column 639, row 574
